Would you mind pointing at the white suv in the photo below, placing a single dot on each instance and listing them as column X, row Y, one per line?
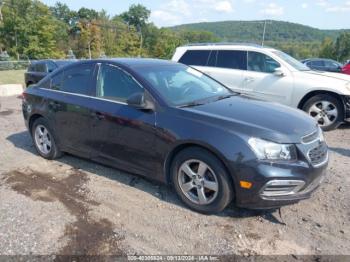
column 272, row 75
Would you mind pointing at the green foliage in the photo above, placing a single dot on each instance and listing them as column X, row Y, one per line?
column 342, row 47
column 30, row 29
column 298, row 40
column 137, row 16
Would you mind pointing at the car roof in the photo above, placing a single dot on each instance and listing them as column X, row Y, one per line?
column 132, row 62
column 223, row 46
column 59, row 62
column 316, row 59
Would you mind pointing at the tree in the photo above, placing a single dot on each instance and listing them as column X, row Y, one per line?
column 87, row 14
column 342, row 47
column 28, row 29
column 137, row 16
column 63, row 13
column 327, row 49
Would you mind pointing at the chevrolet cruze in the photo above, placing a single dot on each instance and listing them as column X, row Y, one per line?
column 172, row 123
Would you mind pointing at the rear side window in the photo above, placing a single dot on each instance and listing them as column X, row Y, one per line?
column 113, row 83
column 232, row 59
column 75, row 80
column 40, row 67
column 316, row 63
column 195, row 57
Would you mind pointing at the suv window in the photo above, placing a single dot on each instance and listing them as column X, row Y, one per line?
column 51, row 67
column 113, row 83
column 232, row 59
column 195, row 57
column 259, row 62
column 75, row 80
column 331, row 64
column 316, row 63
column 40, row 67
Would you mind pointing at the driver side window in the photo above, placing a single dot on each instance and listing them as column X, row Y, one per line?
column 259, row 62
column 115, row 84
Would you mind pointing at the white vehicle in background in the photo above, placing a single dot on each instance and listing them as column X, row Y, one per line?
column 269, row 74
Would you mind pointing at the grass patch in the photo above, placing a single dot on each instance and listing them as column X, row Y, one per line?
column 12, row 77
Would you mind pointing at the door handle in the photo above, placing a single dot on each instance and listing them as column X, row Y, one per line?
column 55, row 105
column 249, row 79
column 98, row 115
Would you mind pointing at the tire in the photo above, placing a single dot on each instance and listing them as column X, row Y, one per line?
column 215, row 184
column 327, row 110
column 47, row 138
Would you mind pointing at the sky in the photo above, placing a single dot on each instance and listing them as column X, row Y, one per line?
column 323, row 14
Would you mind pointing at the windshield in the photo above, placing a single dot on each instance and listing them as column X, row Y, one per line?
column 180, row 85
column 291, row 61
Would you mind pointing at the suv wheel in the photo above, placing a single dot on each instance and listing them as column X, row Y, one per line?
column 201, row 181
column 44, row 140
column 326, row 110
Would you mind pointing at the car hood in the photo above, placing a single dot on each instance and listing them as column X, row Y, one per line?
column 328, row 76
column 254, row 118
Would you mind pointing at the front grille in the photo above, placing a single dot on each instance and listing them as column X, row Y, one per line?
column 319, row 154
column 311, row 137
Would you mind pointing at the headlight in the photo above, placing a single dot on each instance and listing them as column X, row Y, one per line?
column 348, row 86
column 266, row 150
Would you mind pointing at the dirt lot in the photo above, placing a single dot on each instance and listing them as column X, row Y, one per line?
column 73, row 206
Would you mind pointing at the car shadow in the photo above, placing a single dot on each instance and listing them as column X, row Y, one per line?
column 341, row 151
column 345, row 125
column 163, row 192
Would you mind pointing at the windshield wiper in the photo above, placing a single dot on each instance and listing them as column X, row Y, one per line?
column 226, row 96
column 192, row 104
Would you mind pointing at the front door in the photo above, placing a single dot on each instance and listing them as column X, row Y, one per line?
column 261, row 82
column 124, row 136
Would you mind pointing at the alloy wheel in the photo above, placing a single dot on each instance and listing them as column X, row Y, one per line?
column 43, row 139
column 324, row 112
column 198, row 182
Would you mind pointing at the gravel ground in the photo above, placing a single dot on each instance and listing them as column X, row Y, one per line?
column 73, row 206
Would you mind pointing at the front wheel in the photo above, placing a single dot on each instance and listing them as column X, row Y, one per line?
column 326, row 110
column 201, row 181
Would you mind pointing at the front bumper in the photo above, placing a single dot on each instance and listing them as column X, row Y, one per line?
column 277, row 184
column 265, row 173
column 347, row 107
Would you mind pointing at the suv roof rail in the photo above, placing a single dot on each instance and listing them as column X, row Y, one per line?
column 223, row 44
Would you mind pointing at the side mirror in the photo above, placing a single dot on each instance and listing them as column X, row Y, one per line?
column 139, row 101
column 279, row 72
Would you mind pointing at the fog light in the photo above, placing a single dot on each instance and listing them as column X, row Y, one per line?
column 282, row 188
column 245, row 184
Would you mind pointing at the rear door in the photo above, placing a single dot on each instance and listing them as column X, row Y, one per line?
column 226, row 66
column 123, row 135
column 69, row 106
column 261, row 82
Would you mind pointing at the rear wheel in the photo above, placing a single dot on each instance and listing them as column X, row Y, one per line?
column 44, row 140
column 201, row 181
column 326, row 110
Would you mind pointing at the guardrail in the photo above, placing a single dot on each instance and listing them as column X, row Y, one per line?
column 14, row 65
